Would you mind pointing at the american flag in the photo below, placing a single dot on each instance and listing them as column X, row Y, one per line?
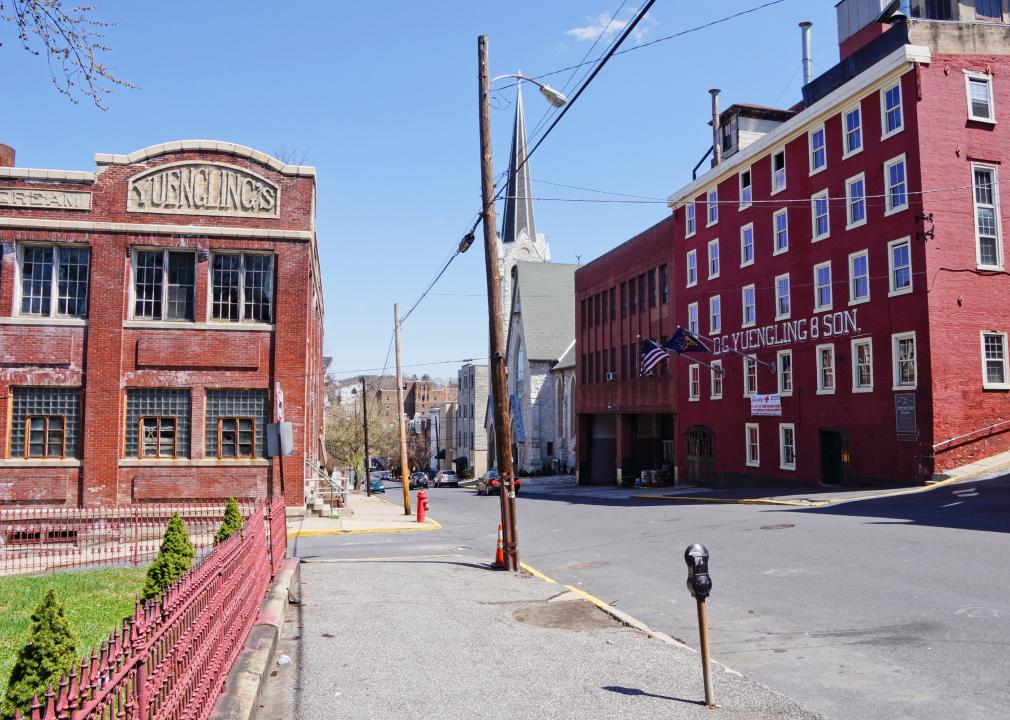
column 652, row 355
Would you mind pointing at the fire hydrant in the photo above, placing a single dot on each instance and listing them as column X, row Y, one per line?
column 422, row 505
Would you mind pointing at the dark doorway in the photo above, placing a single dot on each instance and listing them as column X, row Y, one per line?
column 700, row 449
column 833, row 449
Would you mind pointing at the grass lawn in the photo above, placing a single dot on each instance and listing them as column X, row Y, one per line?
column 96, row 602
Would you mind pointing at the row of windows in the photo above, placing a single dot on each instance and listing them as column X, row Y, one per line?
column 899, row 278
column 895, row 196
column 995, row 373
column 53, row 282
column 45, row 423
column 787, row 445
column 892, row 122
column 603, row 365
column 646, row 291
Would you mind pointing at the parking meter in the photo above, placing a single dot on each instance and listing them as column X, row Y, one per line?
column 698, row 581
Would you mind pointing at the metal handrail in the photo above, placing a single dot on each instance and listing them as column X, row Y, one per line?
column 340, row 488
column 970, row 433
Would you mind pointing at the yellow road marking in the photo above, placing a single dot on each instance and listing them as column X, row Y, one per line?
column 536, row 573
column 591, row 598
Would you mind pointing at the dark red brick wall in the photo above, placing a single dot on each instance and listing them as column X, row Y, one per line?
column 963, row 301
column 106, row 357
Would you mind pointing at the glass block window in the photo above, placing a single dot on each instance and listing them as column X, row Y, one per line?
column 243, row 287
column 164, row 284
column 236, row 423
column 157, row 423
column 45, row 422
column 45, row 267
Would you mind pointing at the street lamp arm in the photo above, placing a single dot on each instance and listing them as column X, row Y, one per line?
column 554, row 97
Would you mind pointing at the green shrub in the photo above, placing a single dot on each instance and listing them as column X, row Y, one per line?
column 174, row 558
column 231, row 524
column 50, row 652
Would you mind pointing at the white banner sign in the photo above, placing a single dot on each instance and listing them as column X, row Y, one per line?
column 766, row 405
column 818, row 327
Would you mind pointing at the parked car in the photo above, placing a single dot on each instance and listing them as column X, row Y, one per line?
column 418, row 480
column 489, row 483
column 375, row 482
column 447, row 477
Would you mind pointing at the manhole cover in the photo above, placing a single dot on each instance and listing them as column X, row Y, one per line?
column 565, row 615
column 588, row 565
column 779, row 526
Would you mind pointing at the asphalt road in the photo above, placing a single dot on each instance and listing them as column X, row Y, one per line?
column 888, row 608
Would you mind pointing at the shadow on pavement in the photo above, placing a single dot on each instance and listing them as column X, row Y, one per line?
column 635, row 691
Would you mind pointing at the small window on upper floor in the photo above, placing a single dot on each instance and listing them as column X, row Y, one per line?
column 54, row 280
column 988, row 9
column 243, row 287
column 980, row 98
column 852, row 130
column 691, row 223
column 164, row 284
column 692, row 268
column 892, row 119
column 779, row 171
column 746, row 193
column 712, row 204
column 818, row 150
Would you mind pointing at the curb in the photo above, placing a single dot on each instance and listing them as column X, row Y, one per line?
column 431, row 524
column 241, row 692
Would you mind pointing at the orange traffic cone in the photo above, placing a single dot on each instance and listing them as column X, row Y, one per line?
column 499, row 556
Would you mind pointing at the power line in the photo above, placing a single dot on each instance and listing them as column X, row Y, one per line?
column 413, row 365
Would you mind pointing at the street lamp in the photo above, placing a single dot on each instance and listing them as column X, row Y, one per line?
column 499, row 394
column 554, row 97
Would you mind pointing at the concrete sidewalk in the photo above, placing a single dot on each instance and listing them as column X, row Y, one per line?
column 363, row 514
column 429, row 637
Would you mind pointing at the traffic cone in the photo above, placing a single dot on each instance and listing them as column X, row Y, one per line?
column 499, row 556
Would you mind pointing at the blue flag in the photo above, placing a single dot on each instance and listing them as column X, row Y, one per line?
column 684, row 341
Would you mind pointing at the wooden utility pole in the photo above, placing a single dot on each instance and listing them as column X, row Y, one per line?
column 404, row 464
column 368, row 460
column 499, row 391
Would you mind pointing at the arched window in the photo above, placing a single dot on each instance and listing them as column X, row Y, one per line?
column 570, row 408
column 559, row 399
column 520, row 369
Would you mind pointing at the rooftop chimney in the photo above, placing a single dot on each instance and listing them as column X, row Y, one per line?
column 716, row 139
column 808, row 63
column 6, row 156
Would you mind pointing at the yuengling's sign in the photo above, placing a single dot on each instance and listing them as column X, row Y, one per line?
column 817, row 327
column 203, row 188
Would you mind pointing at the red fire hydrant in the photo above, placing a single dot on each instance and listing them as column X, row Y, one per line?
column 422, row 505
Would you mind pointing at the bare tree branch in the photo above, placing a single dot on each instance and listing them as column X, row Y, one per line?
column 72, row 39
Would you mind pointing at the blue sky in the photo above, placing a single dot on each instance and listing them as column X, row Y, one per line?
column 382, row 99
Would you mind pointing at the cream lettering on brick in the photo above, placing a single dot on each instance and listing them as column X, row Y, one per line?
column 39, row 199
column 203, row 188
column 817, row 327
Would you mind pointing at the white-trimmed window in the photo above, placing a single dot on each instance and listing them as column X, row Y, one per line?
column 899, row 267
column 712, row 207
column 778, row 171
column 716, row 373
column 747, row 245
column 994, row 361
column 164, row 285
column 787, row 446
column 822, row 286
column 862, row 365
column 852, row 130
column 749, row 316
column 713, row 259
column 746, row 189
column 821, row 224
column 694, row 382
column 53, row 280
column 784, row 375
column 980, row 98
column 855, row 201
column 895, row 185
column 988, row 230
column 818, row 149
column 691, row 223
column 859, row 277
column 753, row 444
column 783, row 300
column 242, row 287
column 892, row 119
column 825, row 369
column 780, row 231
column 692, row 318
column 692, row 268
column 903, row 363
column 750, row 376
column 715, row 314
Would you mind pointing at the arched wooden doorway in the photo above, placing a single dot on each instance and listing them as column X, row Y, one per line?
column 700, row 447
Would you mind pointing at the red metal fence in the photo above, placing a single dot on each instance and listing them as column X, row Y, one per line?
column 34, row 539
column 170, row 660
column 278, row 533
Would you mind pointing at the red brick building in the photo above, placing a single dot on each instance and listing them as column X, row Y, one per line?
column 851, row 248
column 155, row 316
